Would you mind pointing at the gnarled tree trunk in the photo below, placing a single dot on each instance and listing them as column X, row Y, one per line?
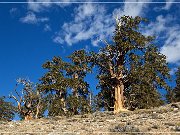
column 28, row 117
column 75, row 93
column 61, row 95
column 118, row 87
column 119, row 99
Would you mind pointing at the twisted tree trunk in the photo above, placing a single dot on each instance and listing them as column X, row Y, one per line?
column 119, row 99
column 75, row 93
column 117, row 78
column 28, row 117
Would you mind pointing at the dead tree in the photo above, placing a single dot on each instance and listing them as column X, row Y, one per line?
column 28, row 102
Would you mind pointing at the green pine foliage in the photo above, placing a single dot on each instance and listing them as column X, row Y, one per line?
column 7, row 110
column 143, row 67
column 54, row 86
column 64, row 83
column 148, row 77
column 131, row 61
column 176, row 90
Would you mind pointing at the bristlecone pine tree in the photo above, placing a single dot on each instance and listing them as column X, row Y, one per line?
column 64, row 82
column 131, row 69
column 30, row 104
column 7, row 110
column 54, row 86
column 77, row 70
column 176, row 90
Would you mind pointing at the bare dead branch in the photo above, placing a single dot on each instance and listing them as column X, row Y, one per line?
column 19, row 103
column 16, row 91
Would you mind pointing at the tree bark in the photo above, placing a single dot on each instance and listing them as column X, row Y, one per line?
column 37, row 110
column 119, row 87
column 119, row 99
column 75, row 93
column 28, row 117
column 63, row 105
column 61, row 95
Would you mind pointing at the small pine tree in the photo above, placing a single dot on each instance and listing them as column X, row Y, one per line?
column 176, row 90
column 7, row 110
column 77, row 70
column 65, row 84
column 53, row 85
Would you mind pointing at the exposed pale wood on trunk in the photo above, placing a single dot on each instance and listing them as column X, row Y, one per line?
column 28, row 116
column 75, row 92
column 119, row 92
column 37, row 109
column 62, row 99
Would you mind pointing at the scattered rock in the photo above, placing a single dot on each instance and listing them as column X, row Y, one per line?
column 155, row 126
column 177, row 128
column 160, row 119
column 126, row 128
column 175, row 105
column 170, row 124
column 176, row 109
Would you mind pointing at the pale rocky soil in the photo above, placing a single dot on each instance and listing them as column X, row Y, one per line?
column 164, row 120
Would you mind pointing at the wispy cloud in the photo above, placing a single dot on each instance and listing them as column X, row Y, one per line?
column 168, row 4
column 95, row 23
column 37, row 7
column 31, row 18
column 132, row 9
column 173, row 71
column 171, row 47
column 92, row 22
column 170, row 34
column 47, row 27
column 13, row 10
column 158, row 27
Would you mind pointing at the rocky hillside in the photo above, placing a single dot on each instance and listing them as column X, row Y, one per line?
column 162, row 120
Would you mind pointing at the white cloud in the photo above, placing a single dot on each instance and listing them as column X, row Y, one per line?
column 173, row 71
column 31, row 18
column 158, row 27
column 92, row 22
column 58, row 39
column 47, row 27
column 84, row 11
column 162, row 28
column 131, row 9
column 171, row 47
column 13, row 10
column 37, row 7
column 168, row 4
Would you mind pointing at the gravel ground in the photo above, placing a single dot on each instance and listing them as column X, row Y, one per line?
column 164, row 120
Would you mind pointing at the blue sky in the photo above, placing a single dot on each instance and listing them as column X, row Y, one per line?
column 32, row 33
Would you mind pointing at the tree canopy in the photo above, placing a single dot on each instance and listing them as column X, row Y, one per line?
column 173, row 95
column 177, row 88
column 7, row 110
column 64, row 83
column 130, row 69
column 30, row 103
